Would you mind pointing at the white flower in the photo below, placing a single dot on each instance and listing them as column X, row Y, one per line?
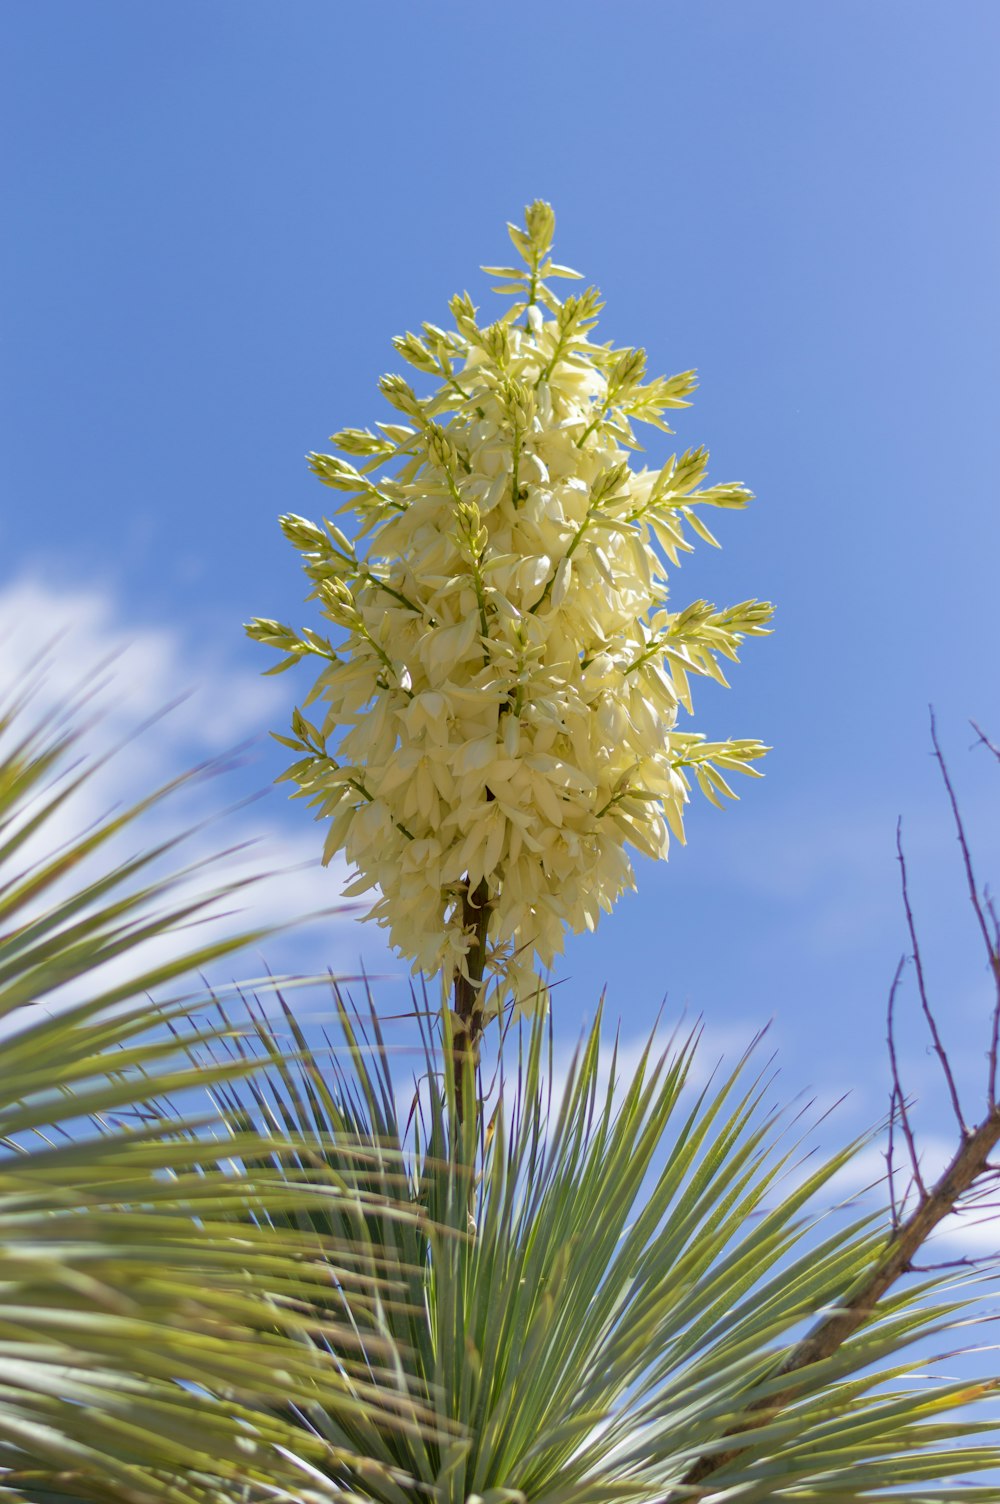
column 500, row 706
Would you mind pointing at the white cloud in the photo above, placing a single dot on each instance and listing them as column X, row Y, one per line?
column 58, row 649
column 81, row 641
column 973, row 1233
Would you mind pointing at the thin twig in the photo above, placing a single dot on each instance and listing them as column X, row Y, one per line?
column 967, row 1180
column 970, row 875
column 859, row 1305
column 976, row 1262
column 995, row 1031
column 922, row 986
column 992, row 949
column 898, row 1100
column 992, row 747
column 890, row 1158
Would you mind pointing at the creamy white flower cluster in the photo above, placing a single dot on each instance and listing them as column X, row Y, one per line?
column 508, row 672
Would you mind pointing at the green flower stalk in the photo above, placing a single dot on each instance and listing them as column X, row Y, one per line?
column 497, row 721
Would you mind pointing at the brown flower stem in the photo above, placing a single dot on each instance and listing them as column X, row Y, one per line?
column 468, row 1012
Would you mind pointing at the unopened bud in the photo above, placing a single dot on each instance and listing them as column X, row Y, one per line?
column 470, row 515
column 415, row 351
column 358, row 441
column 301, row 533
column 518, row 403
column 338, row 601
column 336, row 472
column 401, row 395
column 339, row 538
column 609, row 481
column 496, row 343
column 440, row 449
column 540, row 222
column 690, row 469
column 629, row 368
column 578, row 311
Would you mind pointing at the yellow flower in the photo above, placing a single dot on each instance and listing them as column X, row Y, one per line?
column 500, row 705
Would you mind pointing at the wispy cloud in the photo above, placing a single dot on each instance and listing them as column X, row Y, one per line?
column 58, row 648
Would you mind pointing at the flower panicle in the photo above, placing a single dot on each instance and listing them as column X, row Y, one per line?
column 496, row 712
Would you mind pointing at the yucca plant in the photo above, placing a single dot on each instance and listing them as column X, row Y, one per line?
column 621, row 1294
column 617, row 1298
column 153, row 1316
column 498, row 713
column 327, row 1285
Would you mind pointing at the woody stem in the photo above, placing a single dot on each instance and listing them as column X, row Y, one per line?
column 469, row 989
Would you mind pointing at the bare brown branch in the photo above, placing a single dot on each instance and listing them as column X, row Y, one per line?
column 966, row 1182
column 922, row 985
column 898, row 1107
column 990, row 941
column 984, row 739
column 995, row 1032
column 969, row 1164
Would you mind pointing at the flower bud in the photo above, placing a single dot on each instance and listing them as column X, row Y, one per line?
column 359, row 441
column 609, row 482
column 496, row 343
column 629, row 368
column 540, row 222
column 440, row 449
column 463, row 311
column 338, row 601
column 413, row 349
column 518, row 403
column 336, row 472
column 301, row 533
column 401, row 395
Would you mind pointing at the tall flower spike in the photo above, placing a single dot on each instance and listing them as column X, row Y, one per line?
column 497, row 716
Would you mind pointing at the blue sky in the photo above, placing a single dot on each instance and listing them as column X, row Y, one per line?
column 222, row 213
